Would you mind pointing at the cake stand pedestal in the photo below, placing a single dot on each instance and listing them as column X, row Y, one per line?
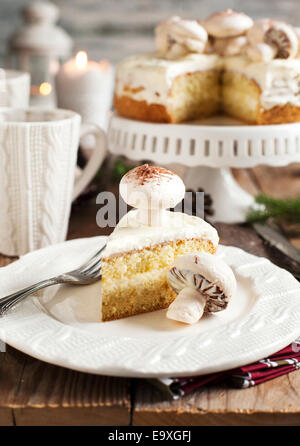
column 209, row 148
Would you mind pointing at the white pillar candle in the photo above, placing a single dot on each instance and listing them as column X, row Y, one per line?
column 86, row 87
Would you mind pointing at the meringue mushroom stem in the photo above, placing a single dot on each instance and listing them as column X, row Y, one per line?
column 188, row 307
column 150, row 217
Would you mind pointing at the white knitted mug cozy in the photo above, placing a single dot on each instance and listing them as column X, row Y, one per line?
column 38, row 153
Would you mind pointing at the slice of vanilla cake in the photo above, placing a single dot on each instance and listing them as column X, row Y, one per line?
column 147, row 241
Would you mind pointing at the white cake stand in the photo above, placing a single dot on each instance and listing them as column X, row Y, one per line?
column 209, row 148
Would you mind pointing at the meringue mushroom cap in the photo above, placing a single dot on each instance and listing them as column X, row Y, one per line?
column 151, row 187
column 162, row 40
column 190, row 29
column 227, row 23
column 185, row 35
column 256, row 33
column 284, row 38
column 211, row 267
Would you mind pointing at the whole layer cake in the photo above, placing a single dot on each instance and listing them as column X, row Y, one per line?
column 141, row 249
column 226, row 63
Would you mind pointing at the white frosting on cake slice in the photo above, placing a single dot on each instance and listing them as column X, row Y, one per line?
column 148, row 77
column 130, row 235
column 279, row 79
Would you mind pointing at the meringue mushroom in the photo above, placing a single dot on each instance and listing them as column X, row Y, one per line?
column 227, row 23
column 203, row 282
column 271, row 39
column 261, row 52
column 283, row 37
column 256, row 33
column 176, row 37
column 151, row 190
column 231, row 46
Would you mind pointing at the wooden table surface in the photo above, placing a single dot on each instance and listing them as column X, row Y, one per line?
column 36, row 393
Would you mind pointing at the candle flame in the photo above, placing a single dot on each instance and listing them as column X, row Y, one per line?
column 81, row 60
column 45, row 88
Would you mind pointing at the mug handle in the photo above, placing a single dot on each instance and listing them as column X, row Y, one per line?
column 87, row 174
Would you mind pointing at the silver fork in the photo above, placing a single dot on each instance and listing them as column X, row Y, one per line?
column 87, row 273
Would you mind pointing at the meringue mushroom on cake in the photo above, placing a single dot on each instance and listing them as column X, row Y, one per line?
column 282, row 37
column 142, row 248
column 225, row 63
column 227, row 23
column 151, row 190
column 279, row 36
column 256, row 34
column 176, row 37
column 204, row 283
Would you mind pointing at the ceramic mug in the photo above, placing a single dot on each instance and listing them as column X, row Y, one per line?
column 14, row 88
column 38, row 154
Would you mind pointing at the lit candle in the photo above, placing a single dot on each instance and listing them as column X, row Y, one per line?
column 42, row 96
column 86, row 87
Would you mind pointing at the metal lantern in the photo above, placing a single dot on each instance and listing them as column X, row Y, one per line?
column 40, row 47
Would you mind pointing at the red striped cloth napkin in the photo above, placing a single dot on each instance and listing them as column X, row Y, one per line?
column 285, row 361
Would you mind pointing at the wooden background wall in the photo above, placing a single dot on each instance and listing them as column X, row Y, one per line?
column 116, row 28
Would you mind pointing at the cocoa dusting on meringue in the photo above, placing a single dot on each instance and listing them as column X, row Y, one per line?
column 146, row 173
column 151, row 189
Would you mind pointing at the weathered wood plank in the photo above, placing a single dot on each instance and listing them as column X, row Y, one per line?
column 272, row 403
column 279, row 182
column 59, row 416
column 4, row 261
column 6, row 416
column 36, row 393
column 11, row 369
column 242, row 237
column 57, row 396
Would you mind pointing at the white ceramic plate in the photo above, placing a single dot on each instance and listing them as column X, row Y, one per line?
column 61, row 324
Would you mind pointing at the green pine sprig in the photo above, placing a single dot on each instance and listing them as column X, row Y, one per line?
column 287, row 209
